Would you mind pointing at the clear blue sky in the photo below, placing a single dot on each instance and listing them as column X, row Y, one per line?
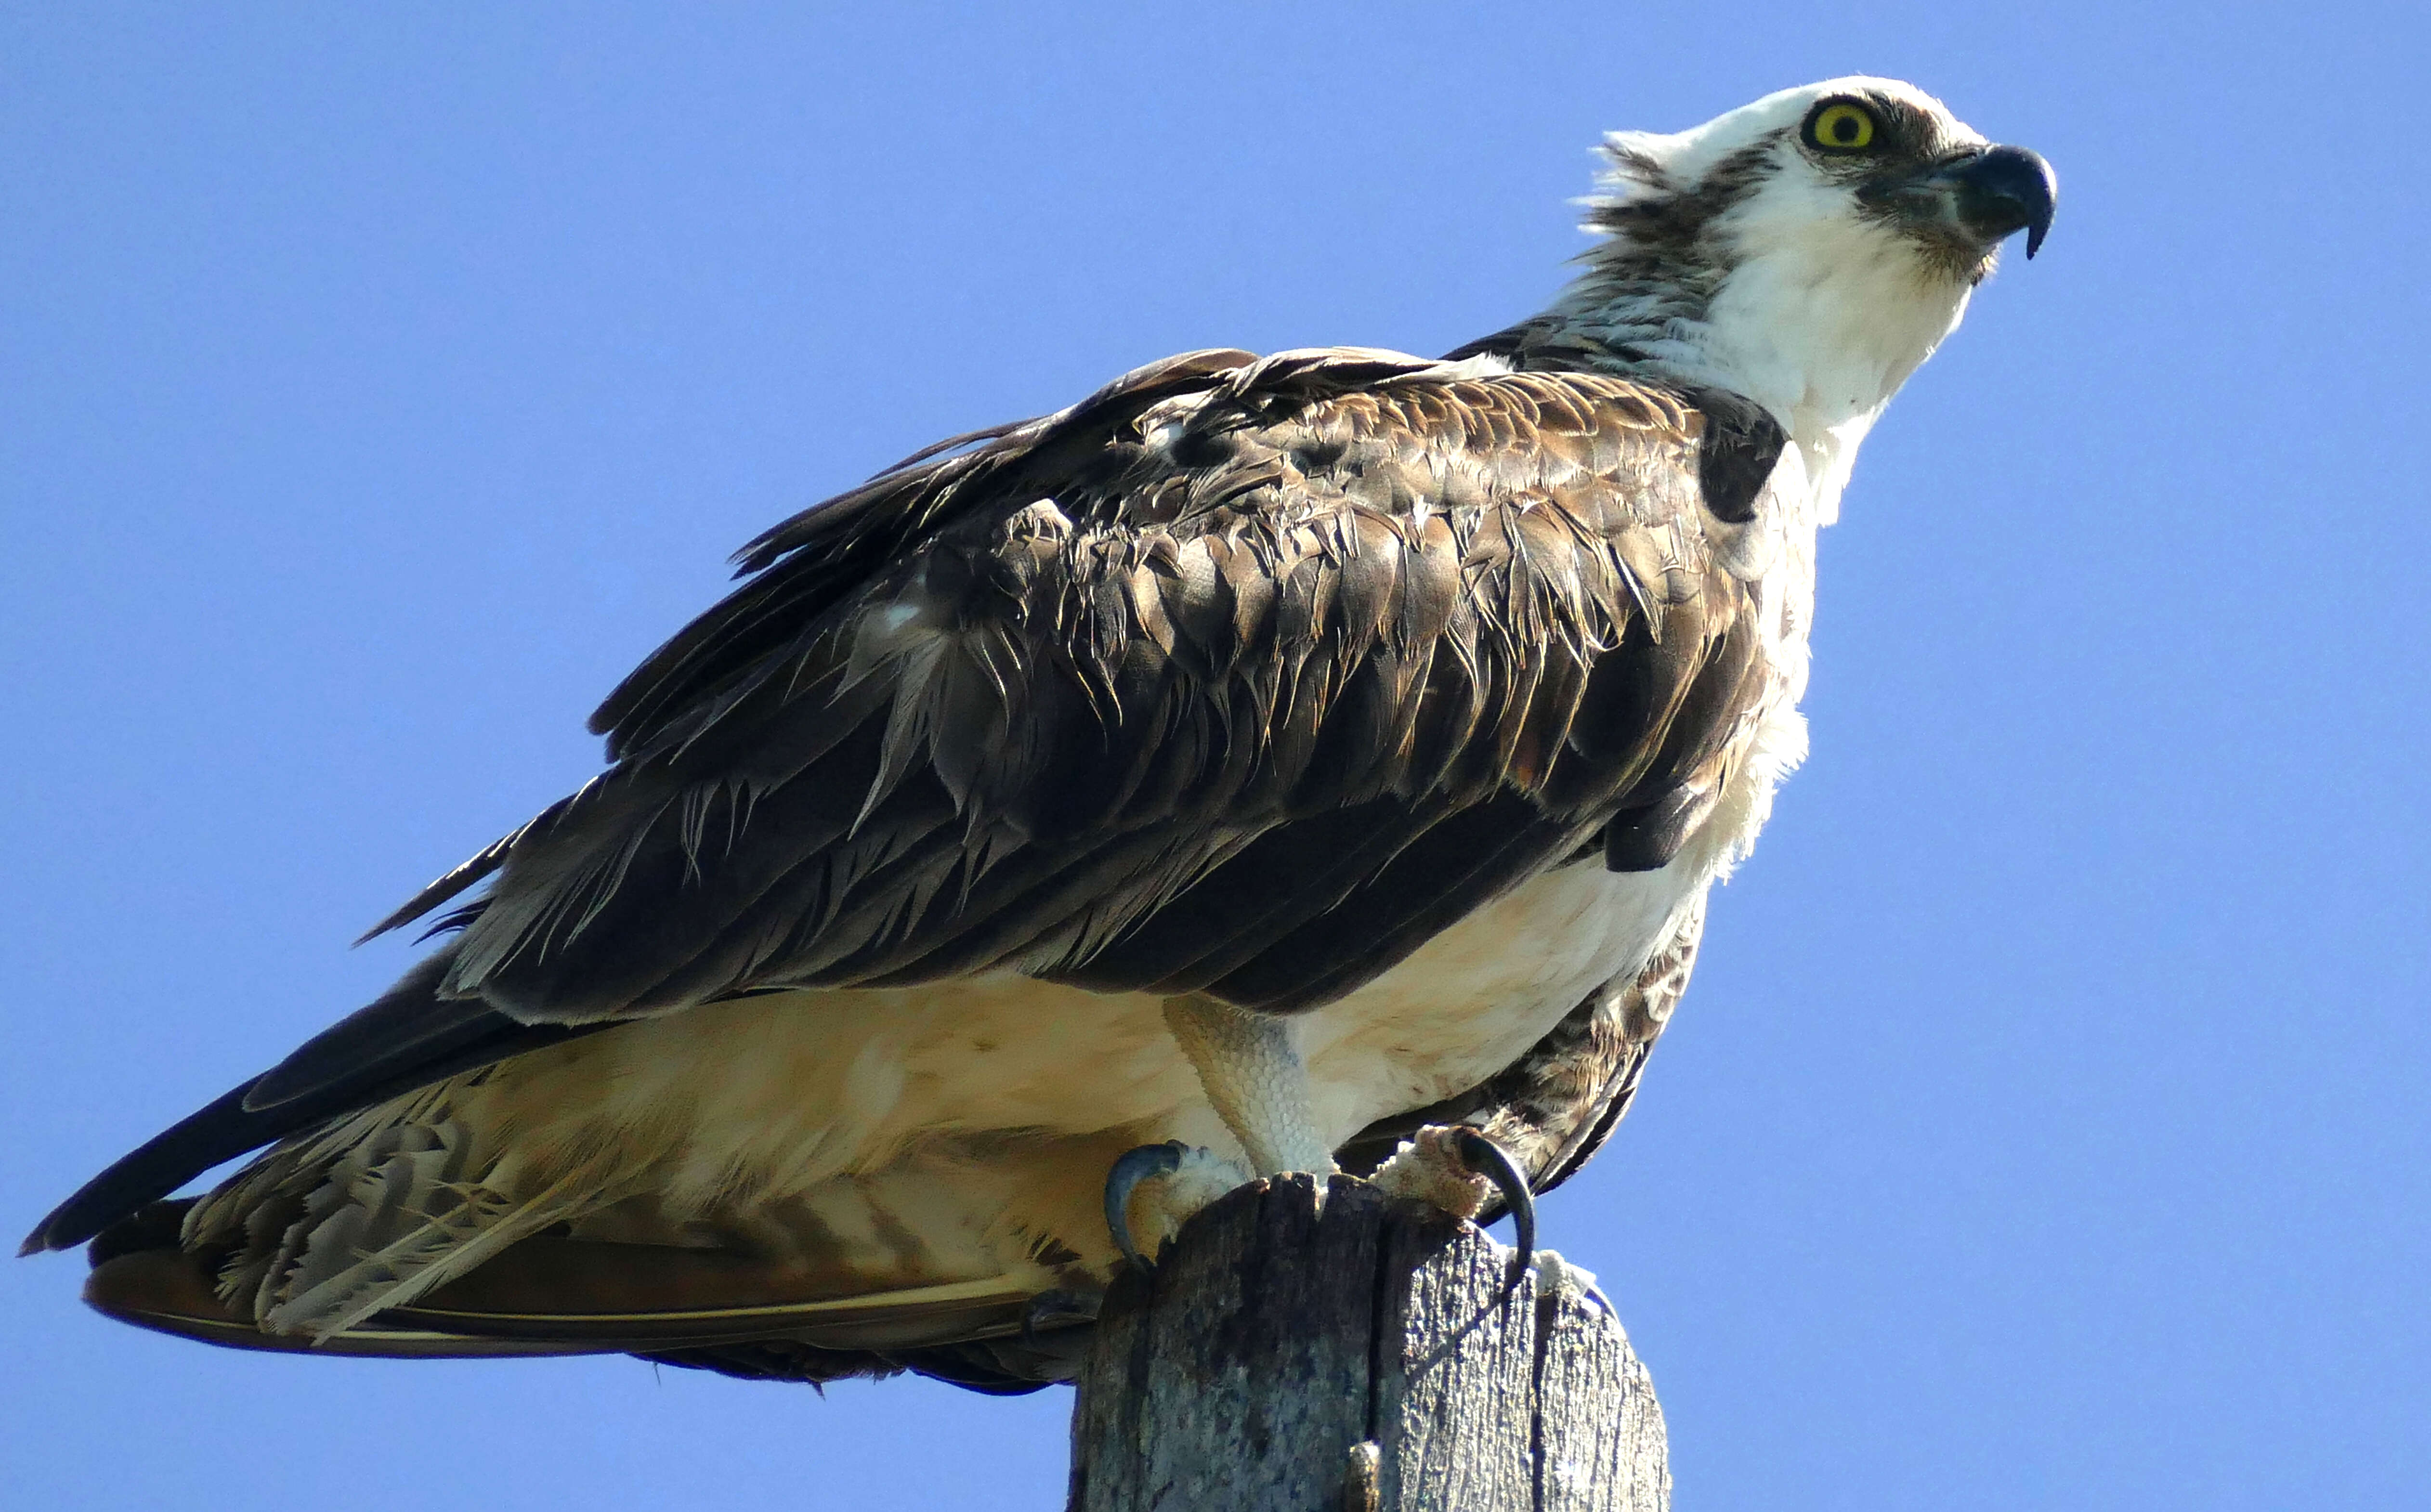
column 2047, row 1125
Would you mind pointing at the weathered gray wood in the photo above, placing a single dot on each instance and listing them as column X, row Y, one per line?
column 1357, row 1356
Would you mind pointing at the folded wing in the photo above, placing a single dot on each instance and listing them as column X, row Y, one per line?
column 1242, row 677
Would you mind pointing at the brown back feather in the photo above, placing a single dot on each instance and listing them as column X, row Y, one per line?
column 1138, row 695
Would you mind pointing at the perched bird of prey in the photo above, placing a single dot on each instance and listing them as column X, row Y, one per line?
column 1265, row 765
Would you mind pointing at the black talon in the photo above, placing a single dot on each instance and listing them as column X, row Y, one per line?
column 1131, row 1168
column 1485, row 1158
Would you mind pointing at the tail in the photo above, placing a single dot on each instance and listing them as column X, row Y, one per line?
column 406, row 1040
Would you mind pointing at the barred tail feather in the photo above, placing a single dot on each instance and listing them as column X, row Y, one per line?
column 373, row 1212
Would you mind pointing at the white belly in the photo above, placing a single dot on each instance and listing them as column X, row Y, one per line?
column 785, row 1091
column 950, row 1130
column 1475, row 998
column 915, row 1136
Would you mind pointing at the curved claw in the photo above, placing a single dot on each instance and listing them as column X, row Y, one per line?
column 1131, row 1168
column 1485, row 1158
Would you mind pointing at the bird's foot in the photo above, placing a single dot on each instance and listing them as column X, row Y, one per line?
column 1454, row 1167
column 1152, row 1189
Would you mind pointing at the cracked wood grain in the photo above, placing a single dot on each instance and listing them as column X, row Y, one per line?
column 1357, row 1354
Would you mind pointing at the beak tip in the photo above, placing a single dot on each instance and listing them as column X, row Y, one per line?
column 2011, row 189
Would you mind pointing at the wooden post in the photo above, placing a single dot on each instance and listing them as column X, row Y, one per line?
column 1358, row 1355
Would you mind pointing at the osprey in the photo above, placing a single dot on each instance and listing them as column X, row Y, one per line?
column 1310, row 761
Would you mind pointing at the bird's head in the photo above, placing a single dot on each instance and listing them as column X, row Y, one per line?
column 1812, row 248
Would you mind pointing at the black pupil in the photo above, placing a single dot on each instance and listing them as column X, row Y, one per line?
column 1844, row 127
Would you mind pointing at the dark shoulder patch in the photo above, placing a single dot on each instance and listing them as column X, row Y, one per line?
column 1742, row 441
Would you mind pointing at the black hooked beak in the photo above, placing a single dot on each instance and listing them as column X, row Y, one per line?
column 1987, row 195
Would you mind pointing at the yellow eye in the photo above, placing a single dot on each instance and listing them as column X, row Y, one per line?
column 1842, row 128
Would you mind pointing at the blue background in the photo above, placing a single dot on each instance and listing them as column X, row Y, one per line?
column 2046, row 1127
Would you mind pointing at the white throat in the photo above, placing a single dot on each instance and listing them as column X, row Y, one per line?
column 1822, row 348
column 1820, row 319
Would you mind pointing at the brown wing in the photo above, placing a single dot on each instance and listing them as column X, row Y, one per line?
column 1248, row 689
column 1244, row 677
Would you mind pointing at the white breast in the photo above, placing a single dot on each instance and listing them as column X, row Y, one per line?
column 1475, row 998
